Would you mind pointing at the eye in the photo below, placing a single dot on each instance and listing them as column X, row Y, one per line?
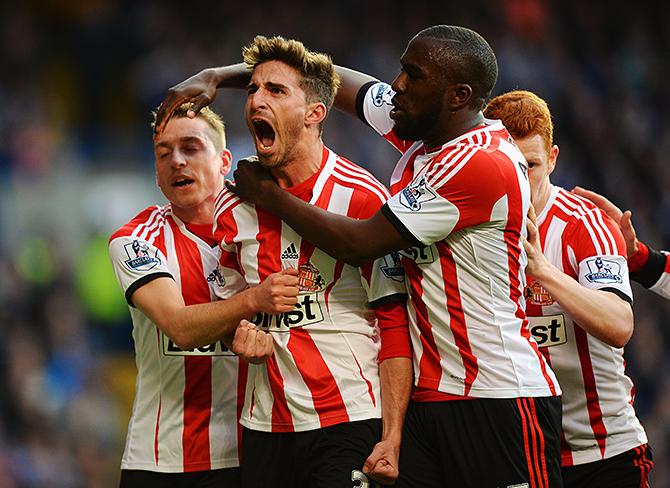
column 162, row 154
column 531, row 164
column 275, row 90
column 252, row 89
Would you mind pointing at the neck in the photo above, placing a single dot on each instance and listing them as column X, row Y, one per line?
column 541, row 197
column 200, row 214
column 304, row 162
column 449, row 128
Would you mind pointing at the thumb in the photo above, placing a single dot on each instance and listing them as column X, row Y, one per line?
column 290, row 271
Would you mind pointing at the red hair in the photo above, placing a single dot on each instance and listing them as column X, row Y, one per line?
column 524, row 114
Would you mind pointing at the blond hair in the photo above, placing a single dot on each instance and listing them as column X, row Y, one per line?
column 319, row 79
column 213, row 119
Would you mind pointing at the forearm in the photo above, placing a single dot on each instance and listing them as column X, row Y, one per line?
column 202, row 324
column 602, row 314
column 351, row 82
column 344, row 238
column 231, row 76
column 396, row 384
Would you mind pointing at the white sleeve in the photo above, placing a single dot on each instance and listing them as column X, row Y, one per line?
column 136, row 263
column 607, row 272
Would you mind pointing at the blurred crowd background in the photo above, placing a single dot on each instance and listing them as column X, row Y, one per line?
column 78, row 81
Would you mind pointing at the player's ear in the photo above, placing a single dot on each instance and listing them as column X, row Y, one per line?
column 226, row 161
column 553, row 156
column 316, row 113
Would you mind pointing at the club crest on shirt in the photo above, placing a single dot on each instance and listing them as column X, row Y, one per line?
column 381, row 96
column 391, row 267
column 216, row 276
column 537, row 295
column 604, row 271
column 415, row 194
column 140, row 256
column 309, row 278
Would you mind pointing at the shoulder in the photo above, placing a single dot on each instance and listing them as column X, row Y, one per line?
column 351, row 175
column 578, row 211
column 225, row 201
column 143, row 223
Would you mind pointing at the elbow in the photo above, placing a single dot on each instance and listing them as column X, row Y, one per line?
column 183, row 340
column 179, row 335
column 622, row 329
column 625, row 328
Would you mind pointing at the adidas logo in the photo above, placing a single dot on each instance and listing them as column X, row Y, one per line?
column 290, row 252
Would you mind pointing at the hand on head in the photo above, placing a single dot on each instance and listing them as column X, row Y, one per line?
column 199, row 89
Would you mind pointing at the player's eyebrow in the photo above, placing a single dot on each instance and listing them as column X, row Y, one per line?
column 182, row 140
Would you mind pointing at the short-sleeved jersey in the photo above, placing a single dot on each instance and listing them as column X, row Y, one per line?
column 324, row 370
column 464, row 205
column 598, row 416
column 651, row 269
column 186, row 408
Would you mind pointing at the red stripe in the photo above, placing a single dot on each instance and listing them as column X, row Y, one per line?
column 339, row 266
column 430, row 369
column 543, row 460
column 242, row 374
column 269, row 244
column 590, row 387
column 515, row 216
column 407, row 173
column 534, row 435
column 197, row 369
column 314, row 371
column 644, row 464
column 526, row 444
column 457, row 323
column 281, row 415
column 566, row 452
column 139, row 220
column 368, row 382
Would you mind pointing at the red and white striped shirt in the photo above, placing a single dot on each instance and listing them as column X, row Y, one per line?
column 598, row 416
column 464, row 204
column 324, row 370
column 187, row 403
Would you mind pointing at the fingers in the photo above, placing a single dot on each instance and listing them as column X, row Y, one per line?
column 165, row 110
column 253, row 345
column 199, row 102
column 531, row 214
column 603, row 203
column 628, row 231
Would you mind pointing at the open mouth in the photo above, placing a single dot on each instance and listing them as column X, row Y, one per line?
column 182, row 182
column 264, row 133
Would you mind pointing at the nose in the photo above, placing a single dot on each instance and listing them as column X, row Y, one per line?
column 178, row 159
column 256, row 100
column 399, row 83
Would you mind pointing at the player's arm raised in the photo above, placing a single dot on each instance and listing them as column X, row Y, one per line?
column 198, row 325
column 200, row 89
